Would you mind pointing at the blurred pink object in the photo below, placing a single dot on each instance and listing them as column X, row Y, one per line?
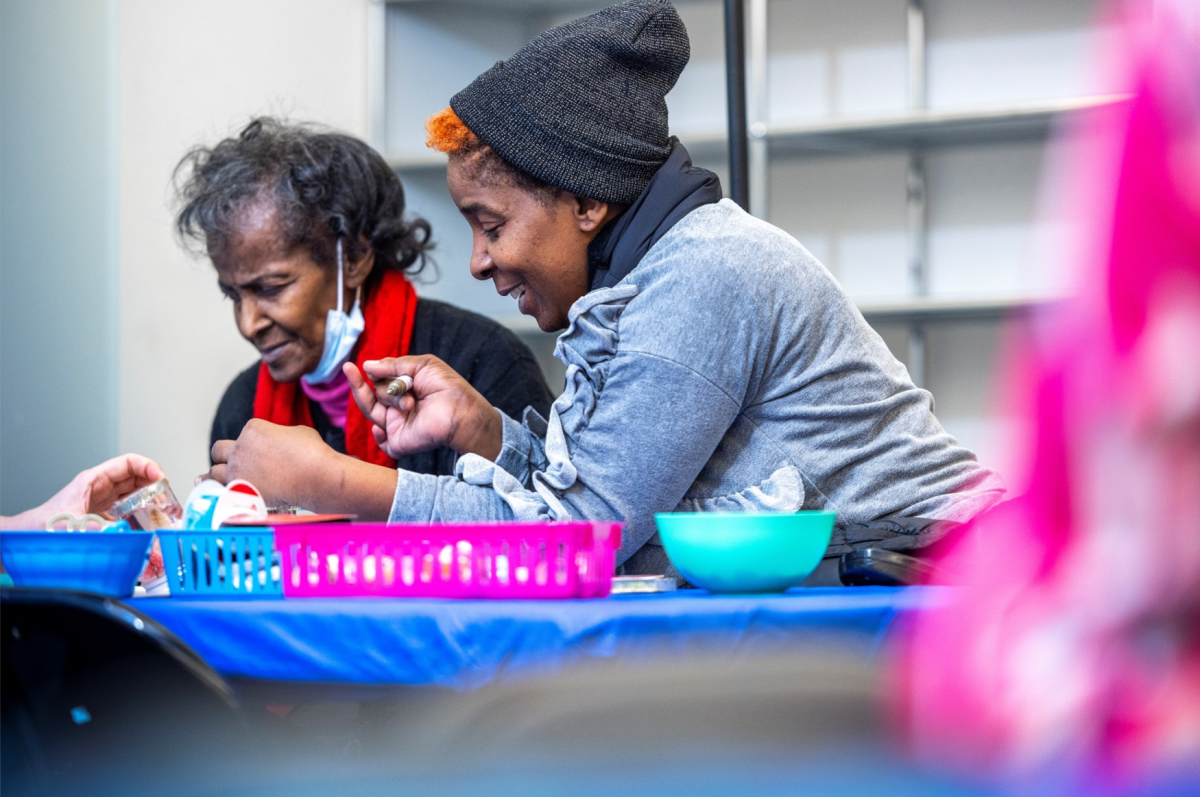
column 1075, row 647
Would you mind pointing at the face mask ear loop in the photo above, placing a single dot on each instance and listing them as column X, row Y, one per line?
column 341, row 295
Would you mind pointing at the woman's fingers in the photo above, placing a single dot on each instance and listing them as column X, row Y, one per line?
column 364, row 395
column 352, row 373
column 218, row 473
column 221, row 451
column 126, row 486
column 391, row 366
column 144, row 469
column 99, row 486
column 354, row 376
column 141, row 470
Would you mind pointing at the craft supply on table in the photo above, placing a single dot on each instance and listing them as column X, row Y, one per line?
column 451, row 560
column 225, row 562
column 152, row 507
column 211, row 504
column 625, row 585
column 289, row 520
column 743, row 552
column 65, row 521
column 93, row 561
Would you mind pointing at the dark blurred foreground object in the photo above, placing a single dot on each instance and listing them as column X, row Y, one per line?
column 877, row 567
column 778, row 724
column 99, row 699
column 891, row 552
column 158, row 723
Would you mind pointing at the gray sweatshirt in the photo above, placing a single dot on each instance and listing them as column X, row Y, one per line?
column 727, row 372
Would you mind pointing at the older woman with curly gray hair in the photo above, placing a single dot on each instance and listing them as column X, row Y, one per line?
column 307, row 232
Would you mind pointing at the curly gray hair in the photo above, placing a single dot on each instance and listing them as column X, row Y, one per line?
column 322, row 186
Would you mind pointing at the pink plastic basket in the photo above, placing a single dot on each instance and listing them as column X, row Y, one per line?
column 449, row 560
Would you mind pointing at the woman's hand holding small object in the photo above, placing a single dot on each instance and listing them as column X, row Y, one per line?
column 428, row 407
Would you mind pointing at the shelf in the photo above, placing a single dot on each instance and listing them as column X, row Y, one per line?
column 434, row 161
column 911, row 310
column 908, row 130
column 516, row 6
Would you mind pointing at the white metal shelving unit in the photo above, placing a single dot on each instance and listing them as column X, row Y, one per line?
column 915, row 131
column 432, row 48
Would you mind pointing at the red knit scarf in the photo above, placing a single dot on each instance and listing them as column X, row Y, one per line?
column 388, row 315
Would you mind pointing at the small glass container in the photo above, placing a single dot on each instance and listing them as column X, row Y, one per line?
column 152, row 507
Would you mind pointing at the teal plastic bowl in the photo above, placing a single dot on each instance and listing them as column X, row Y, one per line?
column 746, row 552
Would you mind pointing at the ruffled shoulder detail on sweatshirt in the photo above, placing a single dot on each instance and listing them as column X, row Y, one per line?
column 586, row 347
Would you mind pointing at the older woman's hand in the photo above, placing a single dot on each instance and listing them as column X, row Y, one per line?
column 293, row 465
column 441, row 408
column 286, row 463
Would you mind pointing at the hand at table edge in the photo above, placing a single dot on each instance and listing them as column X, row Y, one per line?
column 293, row 465
column 93, row 490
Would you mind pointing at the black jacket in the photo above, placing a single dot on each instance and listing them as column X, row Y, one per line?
column 484, row 353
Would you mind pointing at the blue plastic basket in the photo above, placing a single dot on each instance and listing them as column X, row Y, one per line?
column 93, row 561
column 228, row 562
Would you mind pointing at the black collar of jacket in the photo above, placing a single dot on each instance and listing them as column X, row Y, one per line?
column 676, row 189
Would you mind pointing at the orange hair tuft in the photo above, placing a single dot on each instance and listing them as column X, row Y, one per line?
column 445, row 132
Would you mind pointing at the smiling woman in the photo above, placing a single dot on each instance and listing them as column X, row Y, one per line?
column 307, row 232
column 530, row 238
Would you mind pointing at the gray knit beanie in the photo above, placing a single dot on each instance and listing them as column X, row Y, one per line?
column 582, row 106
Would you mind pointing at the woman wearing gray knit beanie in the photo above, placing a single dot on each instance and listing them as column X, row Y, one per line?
column 712, row 362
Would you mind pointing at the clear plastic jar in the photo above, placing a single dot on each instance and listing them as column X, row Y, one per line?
column 152, row 507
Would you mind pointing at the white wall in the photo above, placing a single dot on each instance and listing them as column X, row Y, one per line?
column 193, row 72
column 58, row 244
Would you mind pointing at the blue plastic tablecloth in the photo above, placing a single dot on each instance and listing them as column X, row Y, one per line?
column 464, row 644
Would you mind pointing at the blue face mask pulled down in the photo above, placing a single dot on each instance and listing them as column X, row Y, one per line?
column 341, row 333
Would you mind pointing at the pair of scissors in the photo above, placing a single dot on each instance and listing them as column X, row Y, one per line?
column 88, row 522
